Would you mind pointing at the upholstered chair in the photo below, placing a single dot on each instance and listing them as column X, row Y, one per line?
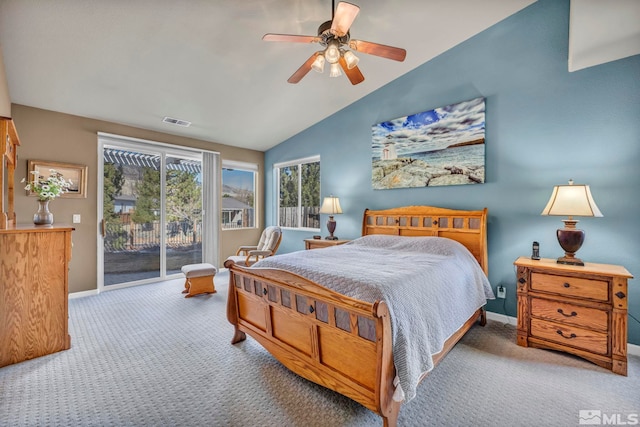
column 267, row 246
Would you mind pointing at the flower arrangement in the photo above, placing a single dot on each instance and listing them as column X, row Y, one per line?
column 48, row 188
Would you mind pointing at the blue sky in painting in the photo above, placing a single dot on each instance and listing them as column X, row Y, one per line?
column 431, row 130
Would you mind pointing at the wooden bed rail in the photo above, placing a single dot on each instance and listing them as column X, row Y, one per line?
column 310, row 328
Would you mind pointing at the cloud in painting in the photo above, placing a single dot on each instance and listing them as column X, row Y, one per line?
column 431, row 130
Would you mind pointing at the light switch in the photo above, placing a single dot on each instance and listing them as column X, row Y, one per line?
column 76, row 218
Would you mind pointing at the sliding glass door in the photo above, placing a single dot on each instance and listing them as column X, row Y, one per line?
column 183, row 212
column 151, row 212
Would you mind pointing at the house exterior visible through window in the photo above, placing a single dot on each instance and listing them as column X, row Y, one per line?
column 238, row 195
column 299, row 193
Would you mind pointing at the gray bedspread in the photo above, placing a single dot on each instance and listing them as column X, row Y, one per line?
column 431, row 285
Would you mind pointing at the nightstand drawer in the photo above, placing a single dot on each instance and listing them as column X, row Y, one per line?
column 594, row 342
column 570, row 314
column 571, row 286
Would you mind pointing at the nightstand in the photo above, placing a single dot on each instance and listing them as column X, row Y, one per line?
column 580, row 310
column 322, row 243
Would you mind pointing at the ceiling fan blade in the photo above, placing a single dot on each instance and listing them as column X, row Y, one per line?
column 343, row 18
column 389, row 52
column 354, row 74
column 303, row 70
column 290, row 38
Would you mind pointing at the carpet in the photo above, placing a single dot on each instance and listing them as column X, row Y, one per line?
column 146, row 356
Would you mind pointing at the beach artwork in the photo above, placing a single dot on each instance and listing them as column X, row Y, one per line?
column 443, row 146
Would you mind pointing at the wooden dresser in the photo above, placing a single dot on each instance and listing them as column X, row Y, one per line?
column 34, row 266
column 581, row 310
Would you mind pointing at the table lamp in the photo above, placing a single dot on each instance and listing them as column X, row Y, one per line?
column 571, row 200
column 331, row 206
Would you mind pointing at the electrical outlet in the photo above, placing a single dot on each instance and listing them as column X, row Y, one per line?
column 501, row 292
column 76, row 218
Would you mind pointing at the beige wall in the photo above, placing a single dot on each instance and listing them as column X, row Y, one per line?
column 5, row 100
column 52, row 136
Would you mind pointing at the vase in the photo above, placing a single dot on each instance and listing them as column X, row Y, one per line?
column 43, row 216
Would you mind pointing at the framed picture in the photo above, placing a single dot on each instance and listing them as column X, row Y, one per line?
column 443, row 146
column 77, row 174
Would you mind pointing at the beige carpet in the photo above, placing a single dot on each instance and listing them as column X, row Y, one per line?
column 147, row 356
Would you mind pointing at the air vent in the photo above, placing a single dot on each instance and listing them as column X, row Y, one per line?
column 176, row 122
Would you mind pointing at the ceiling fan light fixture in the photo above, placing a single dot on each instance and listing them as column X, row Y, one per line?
column 334, row 71
column 351, row 59
column 339, row 48
column 332, row 52
column 318, row 63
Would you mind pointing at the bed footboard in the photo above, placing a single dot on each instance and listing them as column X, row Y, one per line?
column 333, row 340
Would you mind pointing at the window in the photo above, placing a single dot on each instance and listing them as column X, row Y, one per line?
column 299, row 193
column 238, row 195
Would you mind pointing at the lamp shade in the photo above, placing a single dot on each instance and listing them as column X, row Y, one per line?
column 351, row 59
column 332, row 52
column 571, row 200
column 331, row 206
column 318, row 63
column 334, row 70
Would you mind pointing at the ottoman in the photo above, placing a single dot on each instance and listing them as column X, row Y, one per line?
column 199, row 279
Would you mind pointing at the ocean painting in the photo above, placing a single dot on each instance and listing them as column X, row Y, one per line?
column 443, row 146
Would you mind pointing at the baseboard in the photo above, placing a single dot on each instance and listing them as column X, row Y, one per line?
column 632, row 349
column 83, row 294
column 498, row 317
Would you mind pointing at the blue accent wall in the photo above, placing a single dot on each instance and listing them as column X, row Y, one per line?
column 544, row 126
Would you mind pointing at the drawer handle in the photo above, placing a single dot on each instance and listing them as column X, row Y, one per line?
column 564, row 336
column 311, row 309
column 522, row 280
column 573, row 313
column 620, row 295
column 566, row 285
column 264, row 291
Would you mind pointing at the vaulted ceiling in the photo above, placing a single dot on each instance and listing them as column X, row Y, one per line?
column 135, row 62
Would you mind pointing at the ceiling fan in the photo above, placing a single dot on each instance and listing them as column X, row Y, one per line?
column 334, row 36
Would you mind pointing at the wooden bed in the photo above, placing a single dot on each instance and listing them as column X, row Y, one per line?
column 325, row 336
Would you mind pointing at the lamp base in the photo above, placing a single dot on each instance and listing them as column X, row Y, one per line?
column 570, row 260
column 331, row 226
column 570, row 239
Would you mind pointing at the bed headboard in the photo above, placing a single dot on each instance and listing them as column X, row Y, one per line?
column 466, row 227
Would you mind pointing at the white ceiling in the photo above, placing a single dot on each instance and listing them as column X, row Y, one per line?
column 134, row 62
column 603, row 31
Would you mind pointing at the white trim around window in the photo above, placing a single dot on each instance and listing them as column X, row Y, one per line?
column 245, row 167
column 276, row 178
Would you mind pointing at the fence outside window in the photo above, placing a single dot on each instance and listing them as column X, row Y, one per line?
column 129, row 236
column 310, row 217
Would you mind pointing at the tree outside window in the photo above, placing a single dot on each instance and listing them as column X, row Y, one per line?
column 299, row 194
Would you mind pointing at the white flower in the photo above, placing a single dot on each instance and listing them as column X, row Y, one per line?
column 48, row 188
